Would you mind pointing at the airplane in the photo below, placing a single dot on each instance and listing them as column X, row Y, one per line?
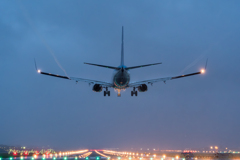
column 121, row 78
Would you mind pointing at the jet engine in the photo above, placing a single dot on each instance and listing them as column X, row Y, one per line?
column 97, row 88
column 143, row 88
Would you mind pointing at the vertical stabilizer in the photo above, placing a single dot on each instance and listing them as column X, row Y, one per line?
column 122, row 48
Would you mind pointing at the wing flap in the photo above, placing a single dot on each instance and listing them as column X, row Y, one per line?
column 54, row 75
column 105, row 84
column 151, row 81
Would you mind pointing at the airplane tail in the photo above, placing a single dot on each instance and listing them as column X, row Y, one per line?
column 122, row 59
column 122, row 48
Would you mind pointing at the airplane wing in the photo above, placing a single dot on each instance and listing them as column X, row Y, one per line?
column 104, row 84
column 151, row 81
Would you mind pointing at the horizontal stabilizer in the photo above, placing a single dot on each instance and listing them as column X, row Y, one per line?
column 146, row 65
column 102, row 66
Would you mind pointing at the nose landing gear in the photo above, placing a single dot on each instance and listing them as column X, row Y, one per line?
column 134, row 92
column 106, row 92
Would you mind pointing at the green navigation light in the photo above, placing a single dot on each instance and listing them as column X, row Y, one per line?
column 87, row 158
column 97, row 158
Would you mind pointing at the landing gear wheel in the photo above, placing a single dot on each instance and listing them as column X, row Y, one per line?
column 106, row 92
column 134, row 93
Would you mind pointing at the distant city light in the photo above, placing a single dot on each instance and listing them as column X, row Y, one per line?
column 216, row 147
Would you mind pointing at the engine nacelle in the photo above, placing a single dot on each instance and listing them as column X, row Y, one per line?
column 97, row 88
column 143, row 88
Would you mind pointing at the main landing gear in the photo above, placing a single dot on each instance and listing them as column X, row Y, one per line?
column 134, row 92
column 106, row 92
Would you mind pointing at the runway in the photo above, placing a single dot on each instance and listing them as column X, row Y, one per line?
column 114, row 155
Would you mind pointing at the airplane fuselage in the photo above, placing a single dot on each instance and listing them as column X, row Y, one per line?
column 121, row 78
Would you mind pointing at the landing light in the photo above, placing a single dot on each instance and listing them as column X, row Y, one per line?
column 203, row 71
column 39, row 71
